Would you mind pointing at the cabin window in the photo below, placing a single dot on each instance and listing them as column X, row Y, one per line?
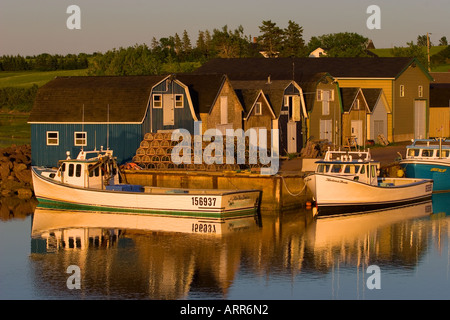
column 413, row 152
column 352, row 169
column 71, row 167
column 363, row 170
column 80, row 138
column 420, row 91
column 336, row 168
column 258, row 109
column 373, row 169
column 179, row 101
column 157, row 101
column 402, row 90
column 52, row 138
column 445, row 153
column 427, row 153
column 78, row 170
column 323, row 168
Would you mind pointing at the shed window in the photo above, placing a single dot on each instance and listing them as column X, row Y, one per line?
column 258, row 108
column 179, row 101
column 319, row 95
column 157, row 101
column 420, row 91
column 52, row 138
column 402, row 90
column 80, row 138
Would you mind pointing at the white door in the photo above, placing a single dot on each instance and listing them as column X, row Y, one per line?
column 292, row 137
column 326, row 131
column 378, row 128
column 168, row 110
column 419, row 119
column 357, row 131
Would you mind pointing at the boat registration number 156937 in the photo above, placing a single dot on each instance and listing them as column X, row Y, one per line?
column 204, row 201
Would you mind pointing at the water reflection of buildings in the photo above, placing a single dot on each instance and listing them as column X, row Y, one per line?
column 134, row 263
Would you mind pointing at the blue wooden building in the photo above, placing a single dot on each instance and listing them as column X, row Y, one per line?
column 71, row 113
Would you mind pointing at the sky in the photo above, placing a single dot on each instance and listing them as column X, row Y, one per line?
column 30, row 27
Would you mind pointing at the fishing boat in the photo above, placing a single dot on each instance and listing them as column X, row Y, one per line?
column 429, row 159
column 348, row 182
column 93, row 182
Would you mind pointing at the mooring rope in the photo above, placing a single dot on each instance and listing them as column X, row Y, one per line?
column 289, row 191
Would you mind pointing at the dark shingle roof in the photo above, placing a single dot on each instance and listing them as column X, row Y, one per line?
column 348, row 96
column 203, row 88
column 293, row 68
column 63, row 99
column 372, row 96
column 440, row 95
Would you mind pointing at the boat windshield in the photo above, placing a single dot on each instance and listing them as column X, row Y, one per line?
column 445, row 154
column 352, row 169
column 323, row 168
column 427, row 153
column 337, row 168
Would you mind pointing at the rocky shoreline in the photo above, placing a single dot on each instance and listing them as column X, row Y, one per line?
column 16, row 187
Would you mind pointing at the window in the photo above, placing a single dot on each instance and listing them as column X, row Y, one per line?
column 420, row 91
column 71, row 167
column 356, row 104
column 402, row 90
column 157, row 101
column 258, row 109
column 78, row 170
column 337, row 168
column 80, row 138
column 52, row 138
column 179, row 101
column 319, row 95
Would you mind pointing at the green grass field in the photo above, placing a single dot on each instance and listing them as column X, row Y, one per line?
column 14, row 129
column 28, row 78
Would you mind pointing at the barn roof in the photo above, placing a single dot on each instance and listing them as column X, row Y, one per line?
column 294, row 68
column 372, row 95
column 64, row 98
column 348, row 96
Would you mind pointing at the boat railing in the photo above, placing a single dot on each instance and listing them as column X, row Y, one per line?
column 347, row 156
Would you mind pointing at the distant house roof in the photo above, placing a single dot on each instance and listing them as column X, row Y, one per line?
column 296, row 67
column 119, row 99
column 203, row 88
column 440, row 77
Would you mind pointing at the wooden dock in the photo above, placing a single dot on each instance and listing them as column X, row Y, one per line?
column 281, row 192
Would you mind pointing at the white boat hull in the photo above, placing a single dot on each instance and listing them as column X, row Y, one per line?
column 208, row 205
column 336, row 195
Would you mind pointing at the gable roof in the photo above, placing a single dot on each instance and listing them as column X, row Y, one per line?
column 373, row 67
column 122, row 99
column 203, row 88
column 372, row 95
column 248, row 90
column 348, row 96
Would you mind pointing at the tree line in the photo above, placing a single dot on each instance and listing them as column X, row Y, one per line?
column 44, row 62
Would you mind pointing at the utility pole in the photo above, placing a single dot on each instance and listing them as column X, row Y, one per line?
column 428, row 51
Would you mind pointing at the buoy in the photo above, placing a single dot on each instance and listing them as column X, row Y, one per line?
column 400, row 173
column 308, row 204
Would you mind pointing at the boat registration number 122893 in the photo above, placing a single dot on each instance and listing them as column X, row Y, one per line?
column 204, row 201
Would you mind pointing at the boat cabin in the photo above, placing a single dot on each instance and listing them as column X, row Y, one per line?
column 428, row 149
column 357, row 166
column 97, row 172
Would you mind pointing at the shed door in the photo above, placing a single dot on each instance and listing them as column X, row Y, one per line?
column 419, row 119
column 326, row 130
column 292, row 137
column 357, row 131
column 168, row 110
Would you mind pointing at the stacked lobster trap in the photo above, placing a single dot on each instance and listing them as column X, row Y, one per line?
column 155, row 152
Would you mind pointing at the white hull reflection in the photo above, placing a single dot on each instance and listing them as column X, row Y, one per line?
column 348, row 229
column 47, row 221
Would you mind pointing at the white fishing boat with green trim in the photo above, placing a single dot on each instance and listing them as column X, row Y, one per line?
column 92, row 184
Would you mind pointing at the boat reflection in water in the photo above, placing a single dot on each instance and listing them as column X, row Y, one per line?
column 309, row 258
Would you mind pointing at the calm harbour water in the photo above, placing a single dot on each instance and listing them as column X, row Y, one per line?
column 287, row 257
